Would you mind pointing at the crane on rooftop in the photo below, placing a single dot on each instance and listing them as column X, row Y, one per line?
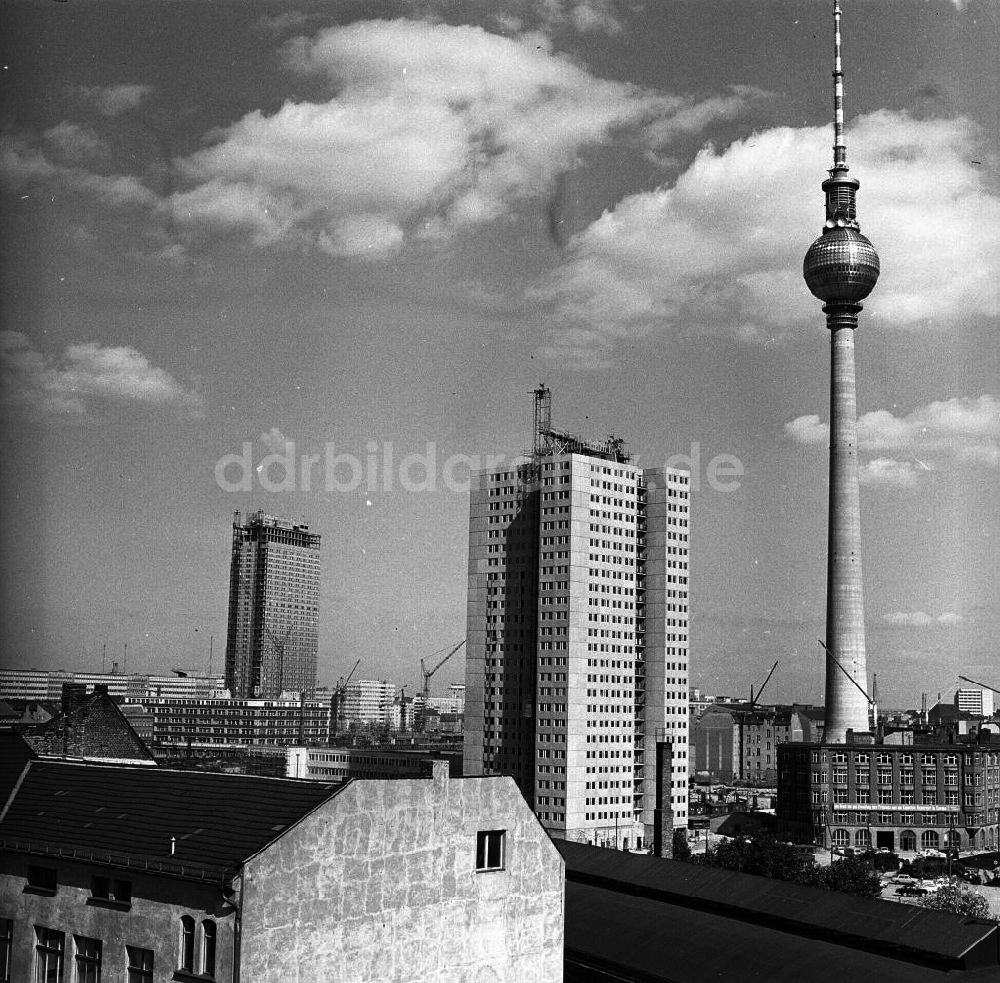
column 427, row 673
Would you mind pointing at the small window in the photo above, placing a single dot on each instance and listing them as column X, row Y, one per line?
column 208, row 948
column 88, row 959
column 140, row 964
column 490, row 849
column 185, row 958
column 41, row 879
column 48, row 954
column 112, row 891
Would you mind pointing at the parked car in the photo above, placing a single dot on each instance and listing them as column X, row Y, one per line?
column 904, row 879
column 911, row 891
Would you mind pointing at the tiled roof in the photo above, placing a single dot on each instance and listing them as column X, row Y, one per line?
column 887, row 926
column 187, row 823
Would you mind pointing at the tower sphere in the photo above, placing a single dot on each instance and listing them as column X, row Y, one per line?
column 841, row 266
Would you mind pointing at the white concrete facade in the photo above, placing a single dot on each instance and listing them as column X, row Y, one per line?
column 577, row 633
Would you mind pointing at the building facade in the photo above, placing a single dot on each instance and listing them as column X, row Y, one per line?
column 367, row 702
column 978, row 702
column 47, row 684
column 739, row 743
column 273, row 635
column 149, row 876
column 577, row 636
column 901, row 797
column 219, row 723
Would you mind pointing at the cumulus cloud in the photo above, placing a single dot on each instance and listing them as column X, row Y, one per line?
column 27, row 162
column 961, row 430
column 85, row 374
column 920, row 619
column 885, row 472
column 808, row 430
column 113, row 100
column 276, row 442
column 428, row 129
column 717, row 252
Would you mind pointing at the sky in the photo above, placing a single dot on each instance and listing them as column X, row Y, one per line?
column 313, row 258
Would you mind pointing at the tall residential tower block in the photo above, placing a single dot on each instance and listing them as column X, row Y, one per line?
column 273, row 634
column 577, row 636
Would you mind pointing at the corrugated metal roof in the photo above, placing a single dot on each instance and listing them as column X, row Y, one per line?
column 187, row 823
column 614, row 935
column 887, row 925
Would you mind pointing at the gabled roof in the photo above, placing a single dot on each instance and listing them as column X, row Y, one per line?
column 93, row 729
column 903, row 931
column 184, row 823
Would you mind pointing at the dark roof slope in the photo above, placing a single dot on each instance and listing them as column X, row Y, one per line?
column 904, row 931
column 613, row 935
column 186, row 823
column 15, row 753
column 95, row 727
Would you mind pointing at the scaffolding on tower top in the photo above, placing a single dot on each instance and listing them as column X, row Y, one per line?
column 548, row 441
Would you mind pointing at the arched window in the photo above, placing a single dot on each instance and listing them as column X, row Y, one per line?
column 929, row 840
column 841, row 837
column 186, row 949
column 907, row 840
column 953, row 838
column 208, row 947
column 863, row 838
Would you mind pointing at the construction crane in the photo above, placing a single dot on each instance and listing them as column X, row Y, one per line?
column 427, row 673
column 872, row 700
column 338, row 698
column 754, row 699
column 965, row 679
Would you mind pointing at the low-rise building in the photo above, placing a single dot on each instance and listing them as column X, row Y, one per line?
column 736, row 742
column 895, row 794
column 151, row 875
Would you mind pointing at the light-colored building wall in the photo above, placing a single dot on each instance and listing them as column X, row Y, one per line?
column 368, row 701
column 577, row 640
column 47, row 684
column 380, row 883
column 979, row 702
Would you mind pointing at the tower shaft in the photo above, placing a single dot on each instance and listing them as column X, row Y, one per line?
column 846, row 706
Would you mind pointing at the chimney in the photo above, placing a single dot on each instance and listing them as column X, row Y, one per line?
column 73, row 694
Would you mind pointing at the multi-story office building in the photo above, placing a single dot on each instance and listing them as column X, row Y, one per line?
column 47, row 684
column 367, row 702
column 273, row 608
column 978, row 702
column 898, row 796
column 215, row 724
column 577, row 628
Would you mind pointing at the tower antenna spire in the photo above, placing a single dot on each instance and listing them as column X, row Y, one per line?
column 839, row 146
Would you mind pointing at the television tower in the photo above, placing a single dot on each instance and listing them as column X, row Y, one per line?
column 841, row 268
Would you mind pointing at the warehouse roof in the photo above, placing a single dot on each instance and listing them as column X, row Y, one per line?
column 899, row 931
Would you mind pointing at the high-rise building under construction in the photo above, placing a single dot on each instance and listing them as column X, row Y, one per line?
column 577, row 636
column 273, row 635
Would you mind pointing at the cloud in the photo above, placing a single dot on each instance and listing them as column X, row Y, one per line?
column 275, row 441
column 808, row 430
column 25, row 163
column 428, row 129
column 884, row 472
column 720, row 250
column 960, row 430
column 920, row 619
column 75, row 143
column 113, row 100
column 86, row 373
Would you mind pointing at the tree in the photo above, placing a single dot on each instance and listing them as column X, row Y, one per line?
column 959, row 900
column 763, row 855
column 850, row 875
column 681, row 849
